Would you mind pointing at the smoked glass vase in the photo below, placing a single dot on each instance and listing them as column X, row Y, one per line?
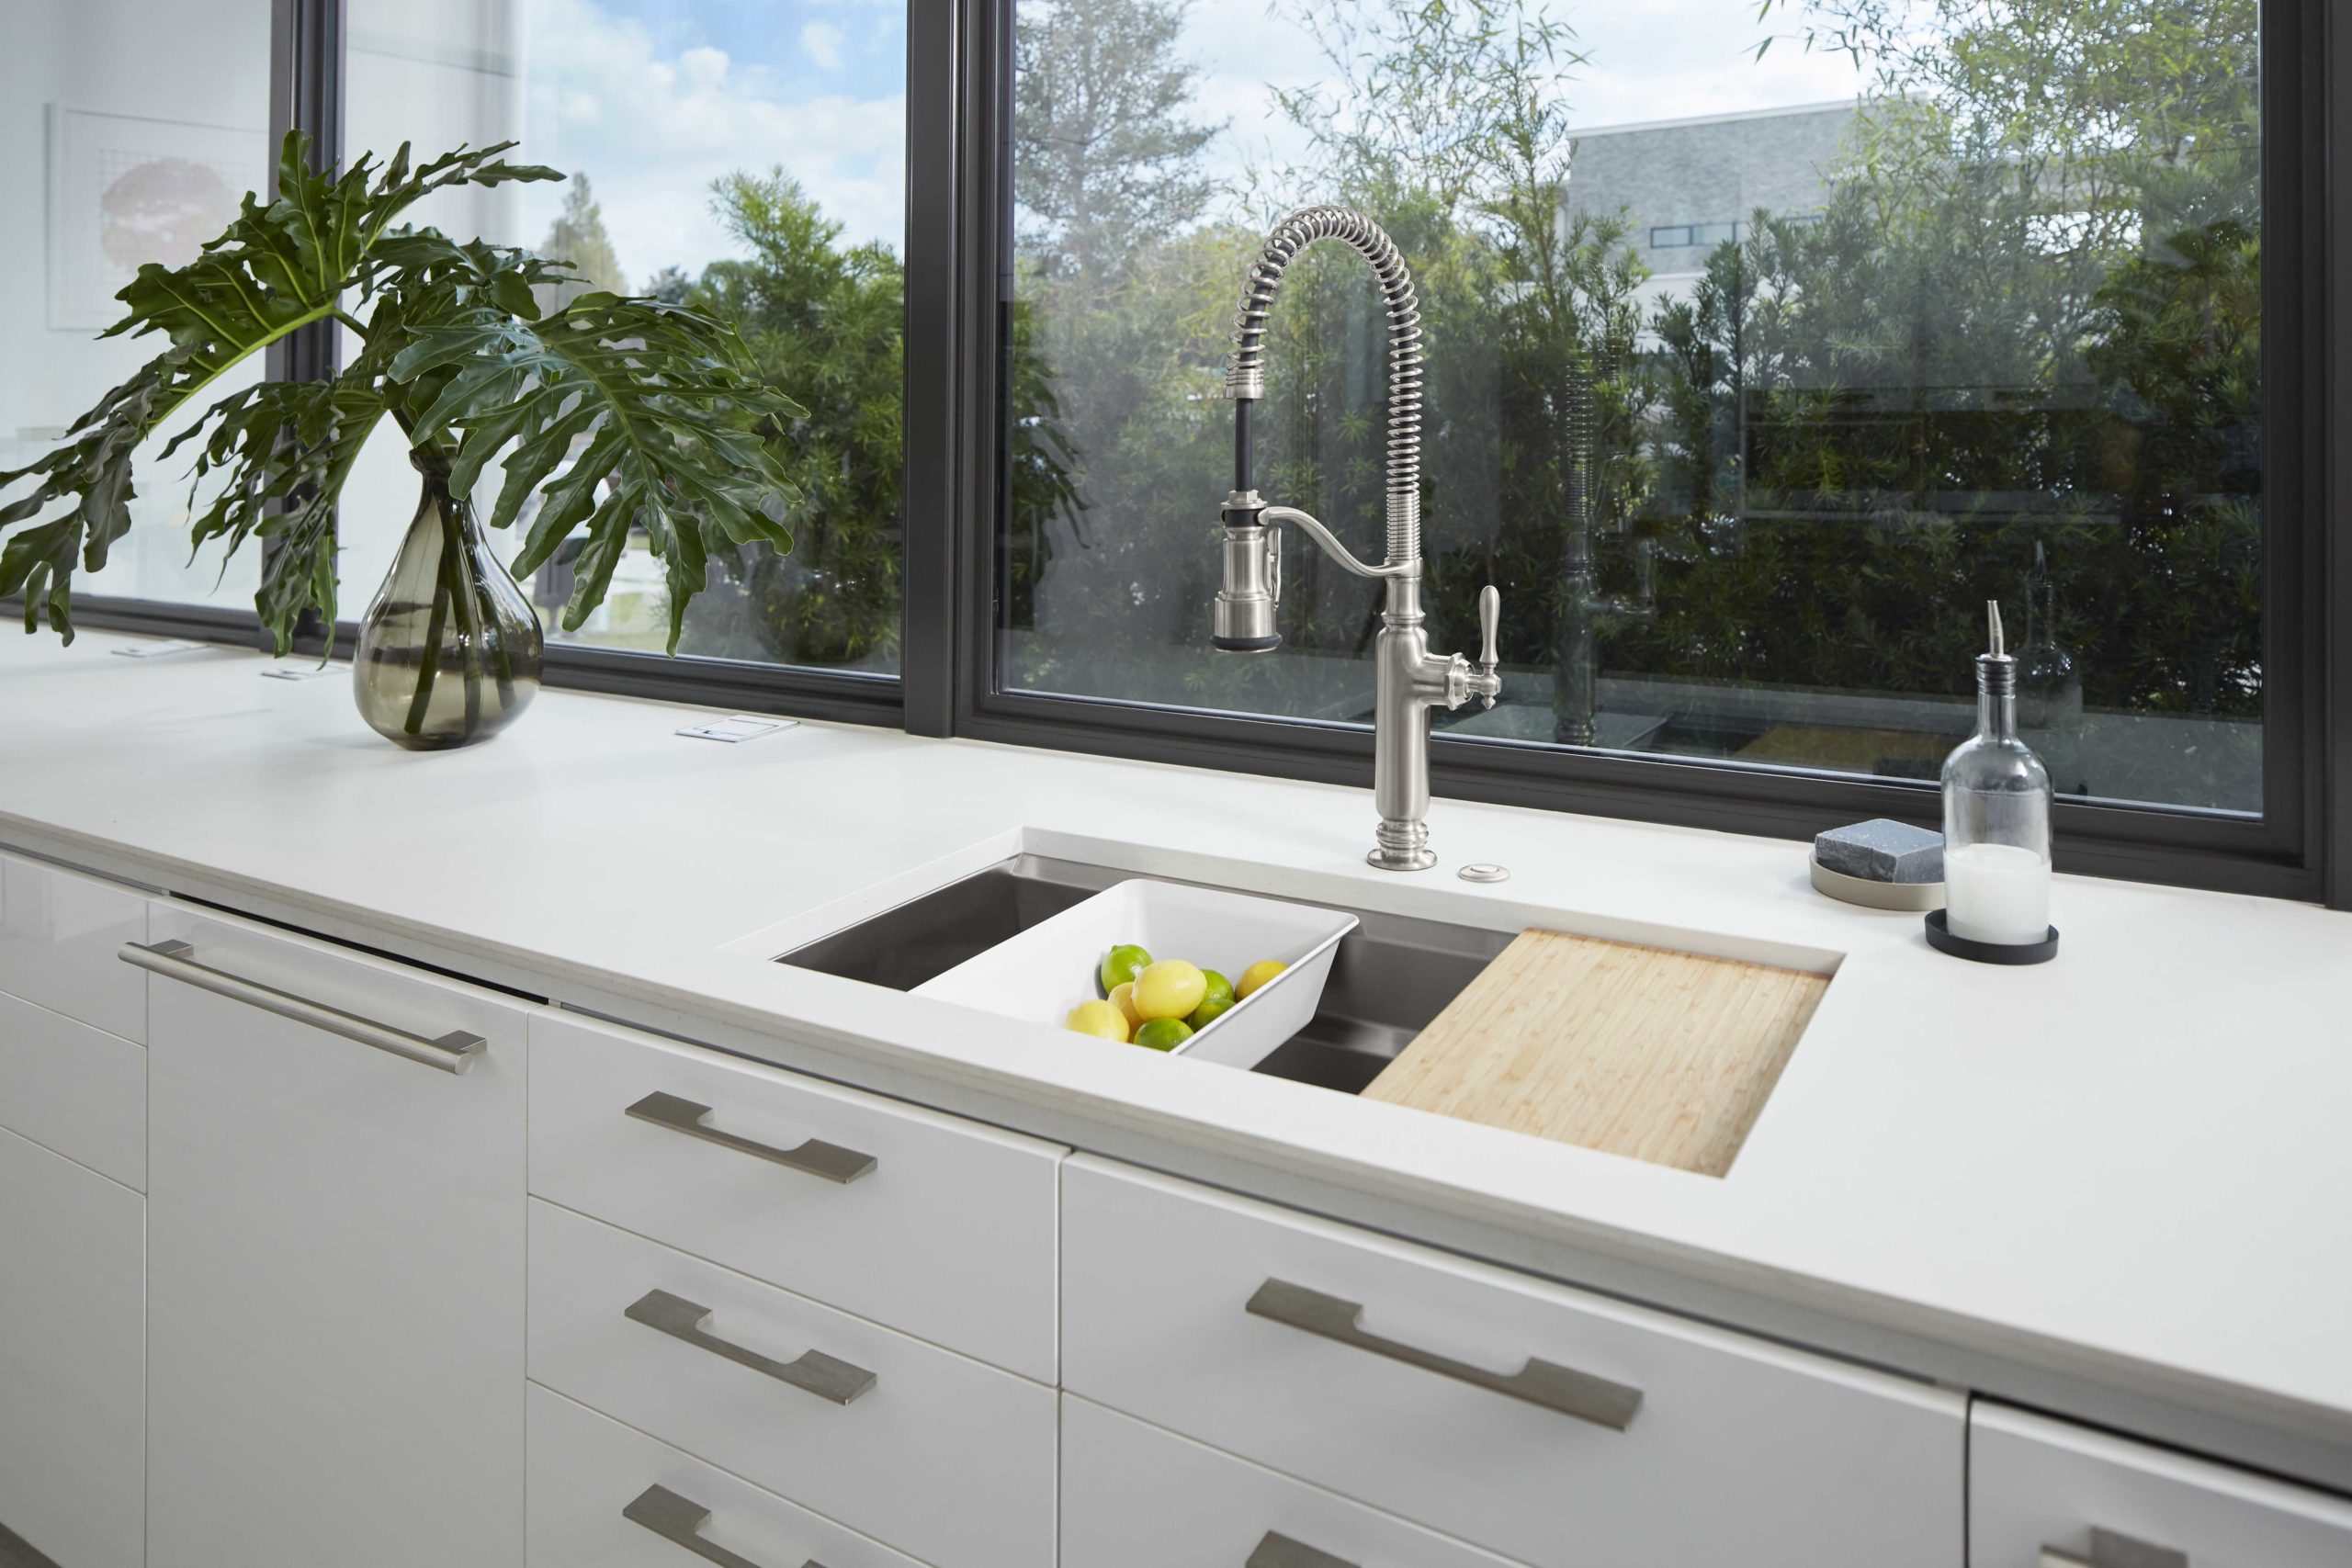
column 449, row 652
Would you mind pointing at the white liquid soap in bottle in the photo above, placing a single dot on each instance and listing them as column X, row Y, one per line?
column 1997, row 823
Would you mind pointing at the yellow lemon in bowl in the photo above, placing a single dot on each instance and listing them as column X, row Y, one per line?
column 1258, row 974
column 1170, row 988
column 1100, row 1020
column 1123, row 996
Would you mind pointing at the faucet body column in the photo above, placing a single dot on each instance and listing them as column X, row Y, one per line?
column 1409, row 682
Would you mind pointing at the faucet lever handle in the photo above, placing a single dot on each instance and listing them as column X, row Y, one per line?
column 1490, row 617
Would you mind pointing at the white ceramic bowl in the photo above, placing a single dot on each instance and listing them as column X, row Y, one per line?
column 1051, row 967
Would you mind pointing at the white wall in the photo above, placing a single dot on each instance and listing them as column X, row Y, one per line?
column 193, row 76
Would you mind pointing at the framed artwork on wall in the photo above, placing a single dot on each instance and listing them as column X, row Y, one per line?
column 125, row 189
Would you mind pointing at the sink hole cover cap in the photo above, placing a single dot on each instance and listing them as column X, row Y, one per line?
column 1483, row 870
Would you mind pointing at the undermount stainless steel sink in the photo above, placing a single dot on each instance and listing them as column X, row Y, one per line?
column 1393, row 975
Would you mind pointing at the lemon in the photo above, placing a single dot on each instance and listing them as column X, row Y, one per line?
column 1170, row 989
column 1218, row 986
column 1122, row 964
column 1163, row 1034
column 1123, row 996
column 1099, row 1019
column 1211, row 1007
column 1258, row 974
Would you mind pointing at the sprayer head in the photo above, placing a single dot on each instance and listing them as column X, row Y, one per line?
column 1252, row 589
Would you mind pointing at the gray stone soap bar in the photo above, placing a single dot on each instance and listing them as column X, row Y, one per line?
column 1882, row 850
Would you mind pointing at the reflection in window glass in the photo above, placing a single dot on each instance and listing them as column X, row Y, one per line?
column 745, row 157
column 127, row 134
column 1752, row 375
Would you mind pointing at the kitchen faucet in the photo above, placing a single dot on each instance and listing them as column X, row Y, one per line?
column 1409, row 680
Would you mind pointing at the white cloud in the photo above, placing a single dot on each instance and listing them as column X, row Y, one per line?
column 652, row 126
column 822, row 42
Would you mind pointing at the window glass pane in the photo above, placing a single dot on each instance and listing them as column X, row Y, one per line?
column 127, row 134
column 1753, row 372
column 744, row 156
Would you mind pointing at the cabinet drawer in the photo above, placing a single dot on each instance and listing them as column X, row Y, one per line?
column 1134, row 1496
column 76, row 1090
column 335, row 1263
column 2037, row 1489
column 948, row 1235
column 1738, row 1451
column 587, row 1469
column 73, row 1370
column 938, row 1455
column 59, row 933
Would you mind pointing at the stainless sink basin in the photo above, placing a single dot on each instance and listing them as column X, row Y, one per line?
column 1393, row 975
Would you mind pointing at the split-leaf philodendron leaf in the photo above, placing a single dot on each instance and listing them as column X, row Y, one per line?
column 632, row 415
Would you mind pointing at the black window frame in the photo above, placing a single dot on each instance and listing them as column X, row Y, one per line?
column 2300, row 847
column 959, row 302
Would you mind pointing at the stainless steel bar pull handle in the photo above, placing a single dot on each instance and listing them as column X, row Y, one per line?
column 453, row 1053
column 1278, row 1550
column 1571, row 1392
column 813, row 1372
column 815, row 1157
column 2109, row 1550
column 679, row 1521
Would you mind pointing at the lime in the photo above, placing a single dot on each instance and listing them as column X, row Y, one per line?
column 1123, row 996
column 1163, row 1034
column 1098, row 1019
column 1122, row 964
column 1218, row 986
column 1211, row 1007
column 1258, row 974
column 1171, row 988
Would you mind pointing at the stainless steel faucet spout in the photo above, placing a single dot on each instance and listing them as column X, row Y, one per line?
column 1408, row 679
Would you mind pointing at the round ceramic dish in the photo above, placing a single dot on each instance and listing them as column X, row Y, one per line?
column 1911, row 898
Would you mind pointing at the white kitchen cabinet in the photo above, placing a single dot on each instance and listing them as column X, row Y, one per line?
column 71, row 1374
column 1135, row 1497
column 75, row 1090
column 938, row 1455
column 606, row 1496
column 930, row 1224
column 2045, row 1493
column 1553, row 1427
column 59, row 934
column 335, row 1264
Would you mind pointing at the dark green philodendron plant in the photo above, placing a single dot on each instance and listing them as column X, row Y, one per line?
column 625, row 414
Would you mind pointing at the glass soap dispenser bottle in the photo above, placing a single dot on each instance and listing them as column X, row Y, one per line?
column 1996, row 828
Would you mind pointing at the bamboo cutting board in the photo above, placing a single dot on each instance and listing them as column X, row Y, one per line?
column 1644, row 1052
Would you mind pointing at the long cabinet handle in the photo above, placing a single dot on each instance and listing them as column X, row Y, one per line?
column 453, row 1053
column 1278, row 1550
column 1563, row 1388
column 814, row 1158
column 679, row 1521
column 827, row 1377
column 2109, row 1550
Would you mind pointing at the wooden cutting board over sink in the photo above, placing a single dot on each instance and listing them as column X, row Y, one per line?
column 1644, row 1052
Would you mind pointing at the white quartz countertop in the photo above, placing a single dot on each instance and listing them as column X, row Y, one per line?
column 2129, row 1167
